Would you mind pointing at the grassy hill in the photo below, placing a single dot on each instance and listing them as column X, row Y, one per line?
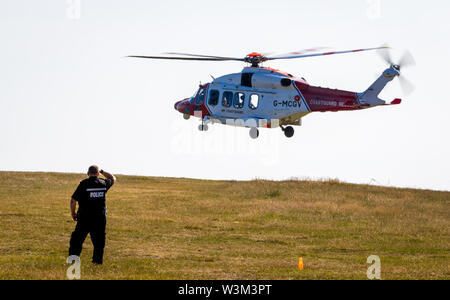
column 167, row 228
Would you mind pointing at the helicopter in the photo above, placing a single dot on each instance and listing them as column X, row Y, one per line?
column 263, row 97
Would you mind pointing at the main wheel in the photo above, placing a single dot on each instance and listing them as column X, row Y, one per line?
column 254, row 133
column 203, row 127
column 289, row 131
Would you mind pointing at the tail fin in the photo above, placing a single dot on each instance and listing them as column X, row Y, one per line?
column 370, row 96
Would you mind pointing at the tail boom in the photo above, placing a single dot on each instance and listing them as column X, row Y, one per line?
column 324, row 99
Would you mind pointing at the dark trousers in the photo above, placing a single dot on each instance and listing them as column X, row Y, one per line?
column 96, row 227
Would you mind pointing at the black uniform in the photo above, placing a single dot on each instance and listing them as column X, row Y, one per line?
column 90, row 195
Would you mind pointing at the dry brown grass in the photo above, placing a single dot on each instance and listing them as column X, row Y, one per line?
column 166, row 228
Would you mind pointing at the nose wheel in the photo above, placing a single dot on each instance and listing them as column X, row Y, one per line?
column 254, row 133
column 288, row 131
column 203, row 127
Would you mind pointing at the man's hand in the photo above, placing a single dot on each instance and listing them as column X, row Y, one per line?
column 73, row 207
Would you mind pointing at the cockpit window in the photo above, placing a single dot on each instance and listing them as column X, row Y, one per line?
column 193, row 97
column 200, row 97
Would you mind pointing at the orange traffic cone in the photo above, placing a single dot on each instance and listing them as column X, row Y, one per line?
column 300, row 263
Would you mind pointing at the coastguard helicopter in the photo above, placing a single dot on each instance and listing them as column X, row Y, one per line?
column 262, row 97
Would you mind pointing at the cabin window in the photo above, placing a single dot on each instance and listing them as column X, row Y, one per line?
column 200, row 97
column 227, row 99
column 213, row 97
column 238, row 100
column 254, row 101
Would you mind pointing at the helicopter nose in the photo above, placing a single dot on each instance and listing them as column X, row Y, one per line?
column 180, row 105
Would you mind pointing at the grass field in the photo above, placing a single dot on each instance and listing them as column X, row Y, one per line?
column 167, row 228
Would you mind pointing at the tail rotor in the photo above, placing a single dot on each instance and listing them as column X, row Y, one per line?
column 406, row 61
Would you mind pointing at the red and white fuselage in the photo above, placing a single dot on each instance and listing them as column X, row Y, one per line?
column 265, row 97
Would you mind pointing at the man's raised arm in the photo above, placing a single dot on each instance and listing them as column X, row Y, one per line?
column 108, row 175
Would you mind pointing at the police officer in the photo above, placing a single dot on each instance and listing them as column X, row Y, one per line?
column 91, row 216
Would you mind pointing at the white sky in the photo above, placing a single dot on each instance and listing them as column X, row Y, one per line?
column 68, row 98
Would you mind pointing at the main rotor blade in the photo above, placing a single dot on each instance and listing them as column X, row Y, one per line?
column 180, row 58
column 206, row 56
column 325, row 53
column 298, row 52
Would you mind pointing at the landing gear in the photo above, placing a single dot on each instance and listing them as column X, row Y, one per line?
column 203, row 127
column 186, row 116
column 288, row 131
column 254, row 133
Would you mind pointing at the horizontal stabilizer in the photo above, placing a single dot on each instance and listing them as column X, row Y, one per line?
column 396, row 101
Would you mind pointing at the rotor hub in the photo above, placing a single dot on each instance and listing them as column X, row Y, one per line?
column 255, row 59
